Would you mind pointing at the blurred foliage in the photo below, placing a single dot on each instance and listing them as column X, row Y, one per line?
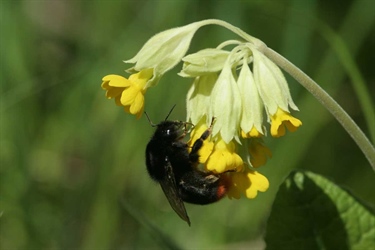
column 72, row 172
column 311, row 212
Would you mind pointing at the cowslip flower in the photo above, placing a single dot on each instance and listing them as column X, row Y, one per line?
column 247, row 182
column 240, row 88
column 282, row 119
column 275, row 95
column 128, row 92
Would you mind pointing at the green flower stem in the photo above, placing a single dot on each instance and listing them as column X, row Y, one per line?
column 327, row 101
column 232, row 28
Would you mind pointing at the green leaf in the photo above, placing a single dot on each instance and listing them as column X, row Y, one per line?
column 311, row 212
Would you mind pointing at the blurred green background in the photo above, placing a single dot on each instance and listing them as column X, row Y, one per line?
column 72, row 170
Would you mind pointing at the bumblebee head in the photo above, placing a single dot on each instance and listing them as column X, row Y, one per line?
column 171, row 130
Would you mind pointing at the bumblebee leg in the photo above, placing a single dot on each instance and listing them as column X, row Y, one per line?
column 184, row 124
column 194, row 156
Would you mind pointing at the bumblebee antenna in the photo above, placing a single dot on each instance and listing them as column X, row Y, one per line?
column 170, row 112
column 149, row 120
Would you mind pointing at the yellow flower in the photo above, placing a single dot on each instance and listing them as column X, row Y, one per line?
column 128, row 92
column 282, row 119
column 247, row 182
column 224, row 158
column 252, row 133
column 258, row 153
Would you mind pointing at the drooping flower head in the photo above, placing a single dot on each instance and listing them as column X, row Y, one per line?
column 237, row 87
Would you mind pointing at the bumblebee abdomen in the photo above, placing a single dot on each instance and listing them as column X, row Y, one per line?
column 201, row 188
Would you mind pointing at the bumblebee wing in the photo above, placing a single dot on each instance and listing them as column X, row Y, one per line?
column 169, row 186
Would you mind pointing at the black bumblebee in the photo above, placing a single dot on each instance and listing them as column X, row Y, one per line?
column 169, row 162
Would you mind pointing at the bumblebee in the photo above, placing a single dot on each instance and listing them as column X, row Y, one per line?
column 169, row 162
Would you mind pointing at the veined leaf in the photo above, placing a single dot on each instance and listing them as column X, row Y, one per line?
column 311, row 212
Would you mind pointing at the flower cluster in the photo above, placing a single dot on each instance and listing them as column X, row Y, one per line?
column 241, row 88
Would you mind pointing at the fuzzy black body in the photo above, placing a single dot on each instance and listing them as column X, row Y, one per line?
column 169, row 162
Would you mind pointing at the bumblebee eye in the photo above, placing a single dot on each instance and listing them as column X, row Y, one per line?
column 168, row 131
